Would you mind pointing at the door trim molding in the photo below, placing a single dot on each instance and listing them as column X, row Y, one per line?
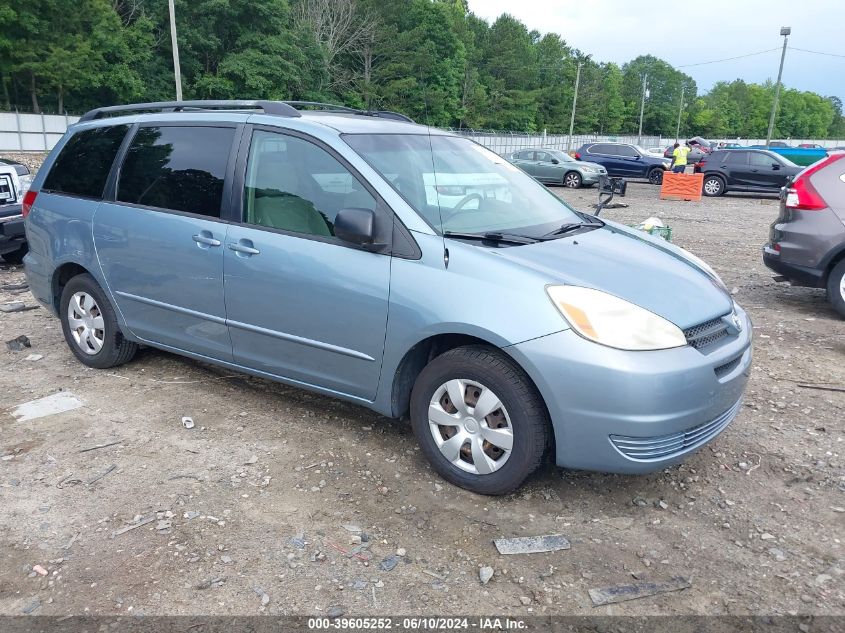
column 170, row 306
column 301, row 340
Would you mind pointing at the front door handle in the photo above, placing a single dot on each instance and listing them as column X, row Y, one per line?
column 204, row 238
column 243, row 246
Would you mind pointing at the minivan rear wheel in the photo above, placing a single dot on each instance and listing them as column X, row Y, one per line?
column 90, row 325
column 479, row 420
column 836, row 287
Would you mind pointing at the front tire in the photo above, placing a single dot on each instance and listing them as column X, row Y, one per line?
column 836, row 287
column 572, row 180
column 90, row 325
column 655, row 176
column 479, row 420
column 713, row 186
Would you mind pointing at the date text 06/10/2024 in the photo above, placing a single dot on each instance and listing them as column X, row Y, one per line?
column 417, row 624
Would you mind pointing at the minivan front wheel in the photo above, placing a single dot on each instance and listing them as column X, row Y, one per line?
column 836, row 287
column 479, row 420
column 90, row 325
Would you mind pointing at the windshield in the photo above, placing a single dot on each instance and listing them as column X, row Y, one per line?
column 457, row 185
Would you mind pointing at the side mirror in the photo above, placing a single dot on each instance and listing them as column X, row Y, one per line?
column 356, row 226
column 555, row 161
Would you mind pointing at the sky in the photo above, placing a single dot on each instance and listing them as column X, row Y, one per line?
column 694, row 31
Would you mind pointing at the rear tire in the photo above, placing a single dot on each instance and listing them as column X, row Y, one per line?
column 16, row 257
column 655, row 176
column 713, row 186
column 90, row 325
column 572, row 180
column 477, row 457
column 836, row 288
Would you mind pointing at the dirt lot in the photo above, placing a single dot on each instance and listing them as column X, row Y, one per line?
column 252, row 502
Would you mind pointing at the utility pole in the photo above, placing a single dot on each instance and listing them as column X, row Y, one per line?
column 642, row 108
column 785, row 31
column 177, row 71
column 574, row 101
column 680, row 111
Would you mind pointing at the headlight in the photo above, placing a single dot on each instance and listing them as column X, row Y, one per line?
column 614, row 322
column 589, row 170
column 25, row 183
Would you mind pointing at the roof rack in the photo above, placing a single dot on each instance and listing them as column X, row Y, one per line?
column 279, row 108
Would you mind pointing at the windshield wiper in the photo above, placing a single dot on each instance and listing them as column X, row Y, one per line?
column 492, row 236
column 571, row 226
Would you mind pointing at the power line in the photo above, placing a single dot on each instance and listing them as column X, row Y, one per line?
column 804, row 50
column 727, row 59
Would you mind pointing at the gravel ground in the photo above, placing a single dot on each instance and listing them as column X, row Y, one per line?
column 247, row 509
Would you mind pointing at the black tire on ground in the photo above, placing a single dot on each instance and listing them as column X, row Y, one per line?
column 836, row 287
column 116, row 350
column 572, row 179
column 16, row 257
column 655, row 176
column 528, row 416
column 713, row 186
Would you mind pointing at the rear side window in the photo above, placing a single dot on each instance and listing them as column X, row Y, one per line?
column 82, row 166
column 611, row 150
column 177, row 168
column 736, row 158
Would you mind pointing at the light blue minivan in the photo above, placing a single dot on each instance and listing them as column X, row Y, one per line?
column 365, row 257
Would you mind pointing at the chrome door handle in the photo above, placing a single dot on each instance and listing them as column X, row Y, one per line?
column 208, row 241
column 243, row 248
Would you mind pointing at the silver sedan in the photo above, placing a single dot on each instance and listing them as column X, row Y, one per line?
column 554, row 167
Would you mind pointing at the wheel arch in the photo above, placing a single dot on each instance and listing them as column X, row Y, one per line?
column 427, row 349
column 832, row 259
column 61, row 276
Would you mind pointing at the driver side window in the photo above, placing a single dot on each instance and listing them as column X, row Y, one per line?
column 294, row 185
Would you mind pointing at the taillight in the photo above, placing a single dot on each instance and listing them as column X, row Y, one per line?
column 802, row 194
column 28, row 201
column 577, row 156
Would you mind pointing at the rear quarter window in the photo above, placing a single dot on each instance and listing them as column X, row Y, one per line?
column 83, row 164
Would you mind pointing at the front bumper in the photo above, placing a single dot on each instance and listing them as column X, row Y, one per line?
column 591, row 178
column 798, row 275
column 635, row 412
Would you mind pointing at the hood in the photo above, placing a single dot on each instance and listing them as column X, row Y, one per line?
column 631, row 265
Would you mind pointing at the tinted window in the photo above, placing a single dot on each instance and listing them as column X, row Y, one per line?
column 762, row 160
column 736, row 158
column 294, row 185
column 612, row 150
column 83, row 164
column 626, row 150
column 179, row 168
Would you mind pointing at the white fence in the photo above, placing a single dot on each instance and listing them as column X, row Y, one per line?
column 23, row 132
column 40, row 132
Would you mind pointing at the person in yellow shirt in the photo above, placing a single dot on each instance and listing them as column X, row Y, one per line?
column 679, row 157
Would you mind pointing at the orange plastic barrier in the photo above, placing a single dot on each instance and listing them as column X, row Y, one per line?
column 681, row 186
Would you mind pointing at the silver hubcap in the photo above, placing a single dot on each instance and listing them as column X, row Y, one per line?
column 470, row 426
column 842, row 287
column 712, row 186
column 85, row 322
column 571, row 180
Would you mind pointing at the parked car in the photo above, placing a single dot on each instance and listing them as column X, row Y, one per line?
column 303, row 246
column 807, row 240
column 811, row 145
column 621, row 159
column 554, row 167
column 24, row 177
column 12, row 236
column 753, row 170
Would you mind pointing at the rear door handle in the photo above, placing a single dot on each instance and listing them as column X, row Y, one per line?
column 205, row 238
column 243, row 246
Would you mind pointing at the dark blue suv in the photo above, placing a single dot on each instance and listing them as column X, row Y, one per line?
column 621, row 159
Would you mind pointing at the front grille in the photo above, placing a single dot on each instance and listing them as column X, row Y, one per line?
column 724, row 370
column 668, row 446
column 707, row 333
